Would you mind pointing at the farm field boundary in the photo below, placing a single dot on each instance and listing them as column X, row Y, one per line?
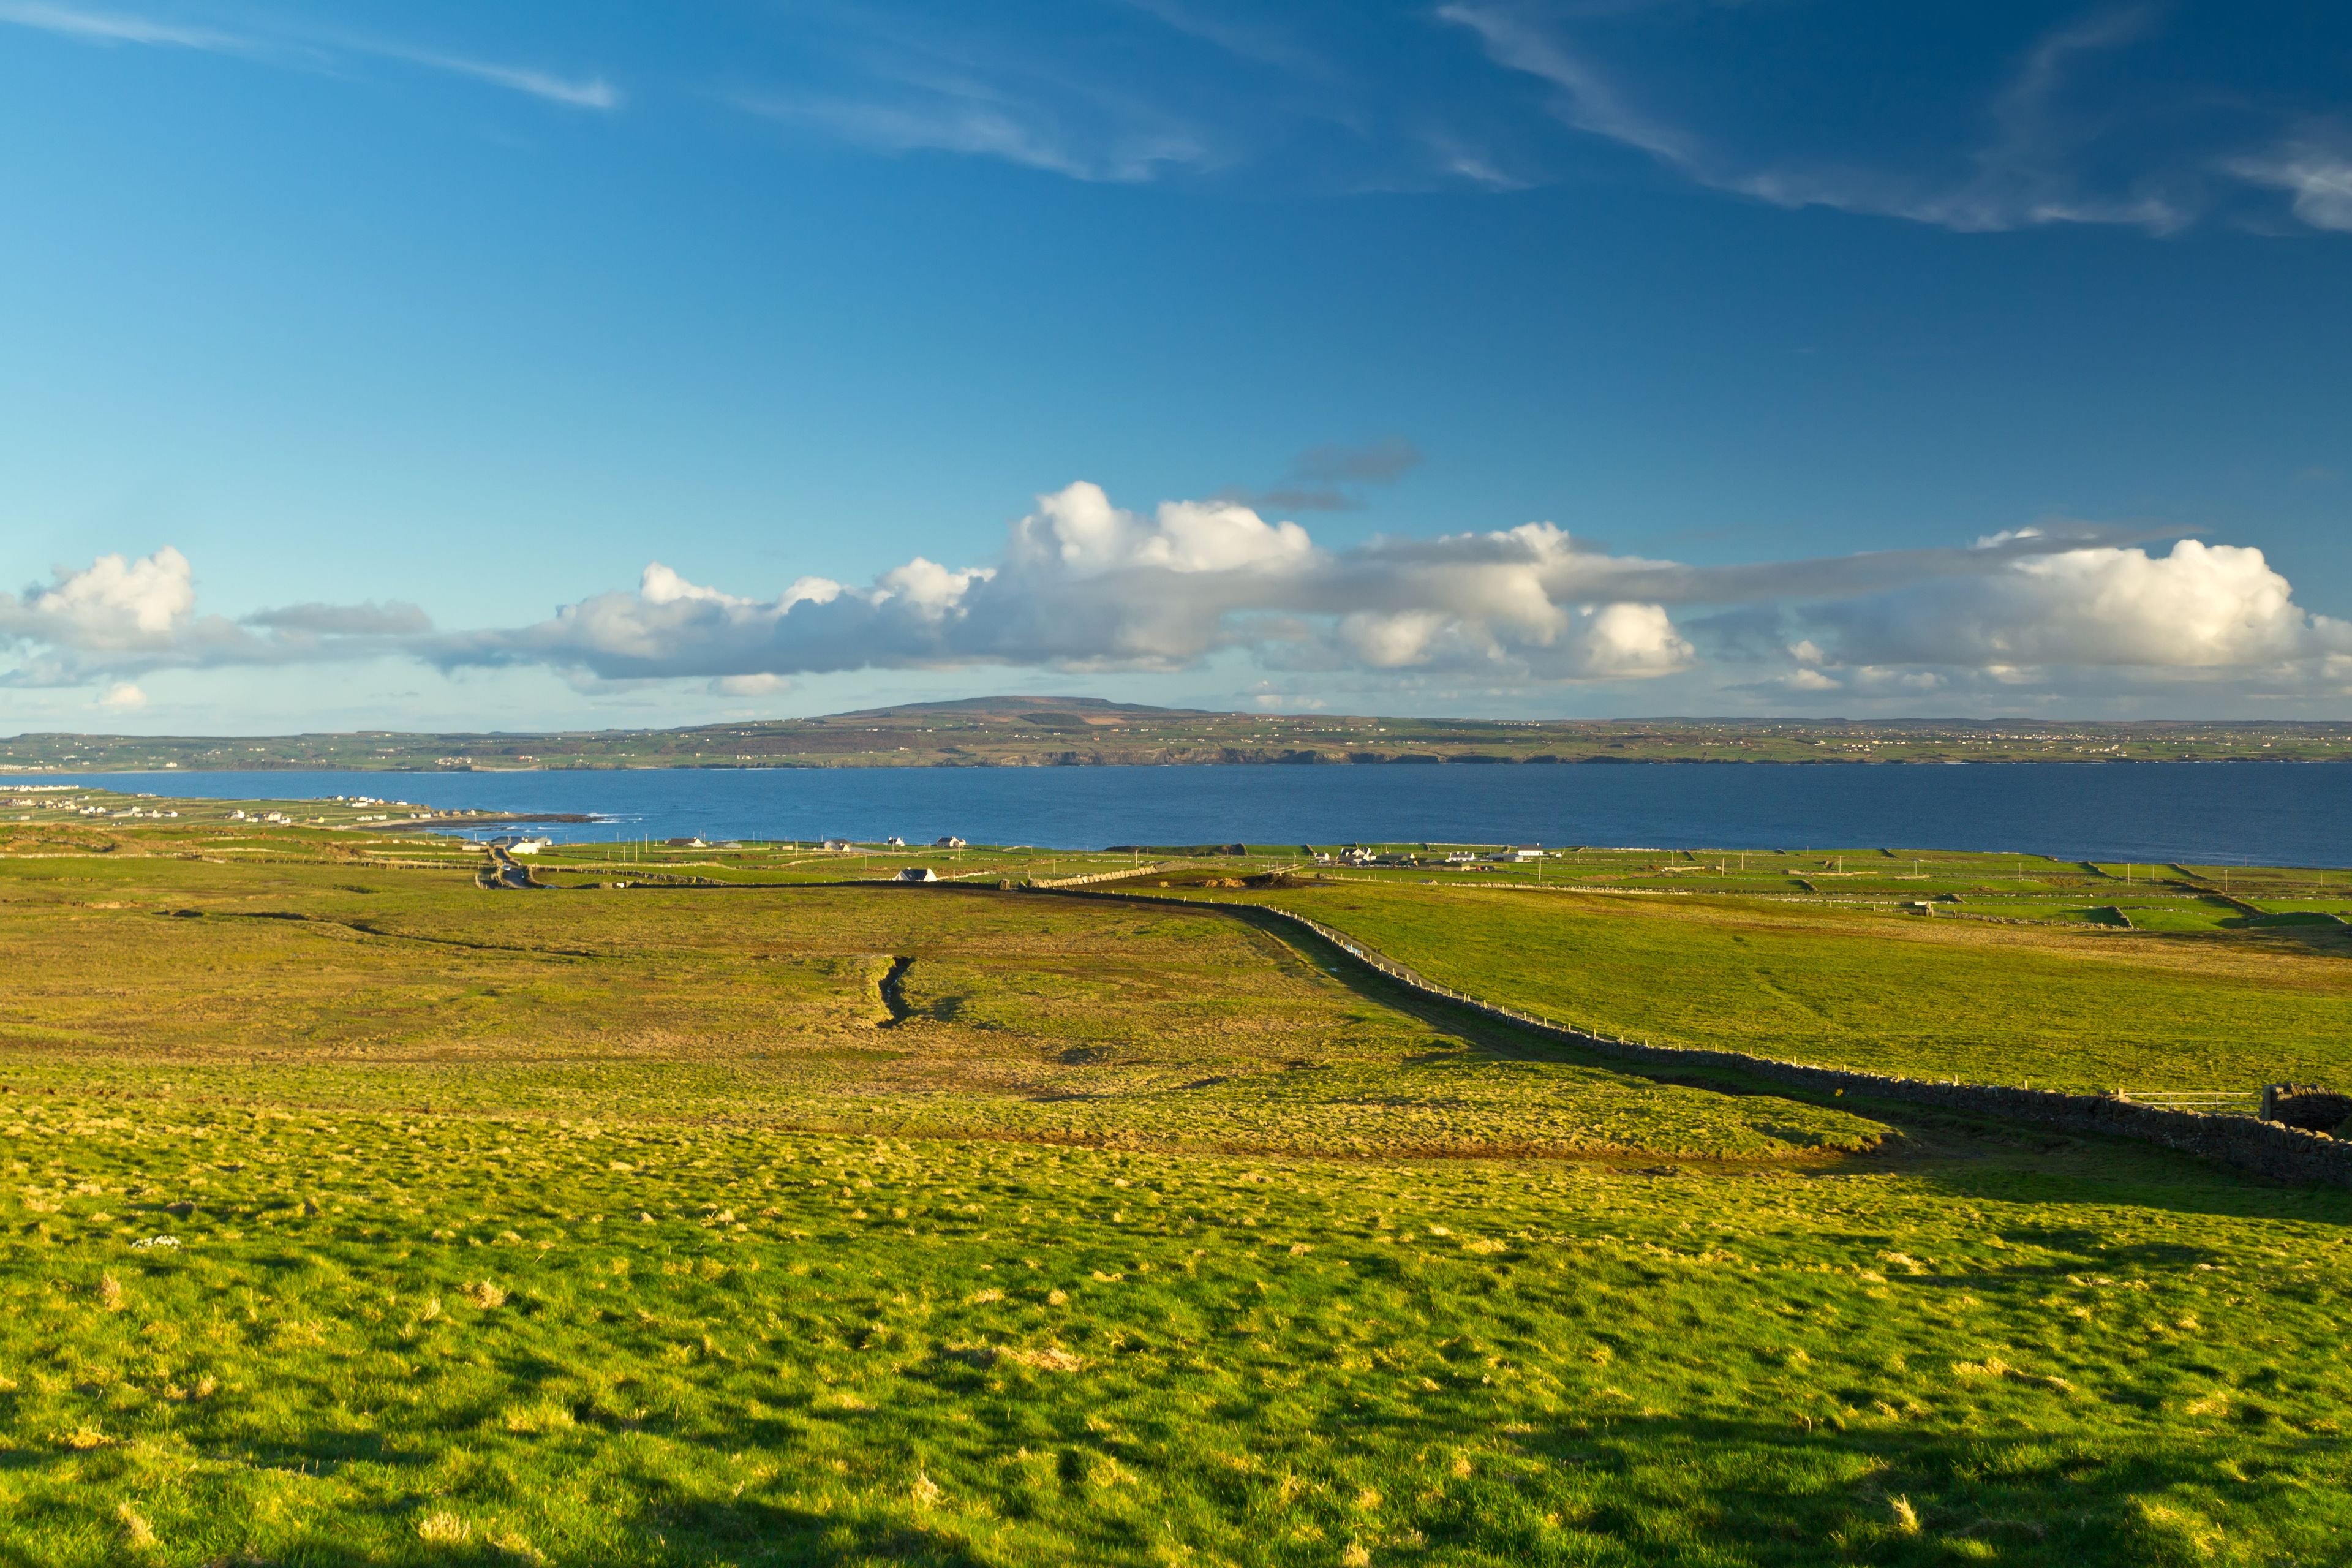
column 2265, row 1148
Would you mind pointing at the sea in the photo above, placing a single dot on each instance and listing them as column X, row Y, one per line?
column 2250, row 813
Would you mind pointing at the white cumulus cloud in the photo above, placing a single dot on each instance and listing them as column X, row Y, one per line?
column 1081, row 584
column 121, row 615
column 1085, row 584
column 2201, row 607
column 114, row 602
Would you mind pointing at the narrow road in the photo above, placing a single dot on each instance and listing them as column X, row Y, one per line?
column 505, row 871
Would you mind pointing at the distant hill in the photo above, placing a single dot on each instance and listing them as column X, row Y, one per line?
column 1063, row 731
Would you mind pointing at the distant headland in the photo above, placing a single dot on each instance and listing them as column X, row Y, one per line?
column 1085, row 731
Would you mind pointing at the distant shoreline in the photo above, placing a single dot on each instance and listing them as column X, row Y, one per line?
column 1081, row 732
column 1011, row 764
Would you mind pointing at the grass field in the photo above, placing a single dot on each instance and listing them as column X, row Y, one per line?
column 2195, row 1007
column 1024, row 1016
column 354, row 1214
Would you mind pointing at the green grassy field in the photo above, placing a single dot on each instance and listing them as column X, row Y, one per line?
column 2191, row 1006
column 355, row 1215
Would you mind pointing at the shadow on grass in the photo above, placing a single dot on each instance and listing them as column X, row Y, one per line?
column 751, row 1531
column 1679, row 1489
column 1792, row 1491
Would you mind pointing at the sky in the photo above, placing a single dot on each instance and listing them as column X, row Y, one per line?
column 514, row 366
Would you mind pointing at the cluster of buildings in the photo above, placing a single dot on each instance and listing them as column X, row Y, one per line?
column 82, row 809
column 1363, row 855
column 403, row 807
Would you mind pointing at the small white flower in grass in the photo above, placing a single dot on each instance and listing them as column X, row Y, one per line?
column 157, row 1241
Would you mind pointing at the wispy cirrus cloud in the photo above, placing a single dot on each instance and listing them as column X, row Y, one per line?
column 572, row 91
column 888, row 81
column 2143, row 115
column 2312, row 165
column 2026, row 164
column 2126, row 115
column 1253, row 38
column 299, row 45
column 109, row 27
column 979, row 120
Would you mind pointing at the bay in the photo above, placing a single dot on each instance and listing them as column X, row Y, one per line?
column 2286, row 814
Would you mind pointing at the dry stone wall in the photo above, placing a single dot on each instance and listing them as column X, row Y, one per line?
column 2265, row 1148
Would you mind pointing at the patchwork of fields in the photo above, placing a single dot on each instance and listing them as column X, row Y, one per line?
column 355, row 1214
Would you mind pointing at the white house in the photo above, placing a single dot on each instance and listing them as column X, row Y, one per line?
column 839, row 845
column 529, row 846
column 894, row 842
column 948, row 841
column 917, row 874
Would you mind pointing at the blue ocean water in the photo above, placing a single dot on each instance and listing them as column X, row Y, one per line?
column 2285, row 814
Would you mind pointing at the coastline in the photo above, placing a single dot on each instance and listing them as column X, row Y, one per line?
column 857, row 763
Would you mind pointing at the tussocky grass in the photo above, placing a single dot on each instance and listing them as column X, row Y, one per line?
column 350, row 1214
column 1028, row 1017
column 421, row 1338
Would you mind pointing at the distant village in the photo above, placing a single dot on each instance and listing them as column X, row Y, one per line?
column 1364, row 855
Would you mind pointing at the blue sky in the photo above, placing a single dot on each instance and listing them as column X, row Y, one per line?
column 510, row 366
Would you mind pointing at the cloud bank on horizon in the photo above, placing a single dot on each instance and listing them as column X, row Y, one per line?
column 1084, row 585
